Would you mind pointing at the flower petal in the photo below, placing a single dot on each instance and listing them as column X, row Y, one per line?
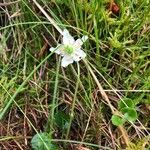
column 79, row 42
column 78, row 55
column 84, row 38
column 52, row 49
column 58, row 50
column 66, row 60
column 67, row 38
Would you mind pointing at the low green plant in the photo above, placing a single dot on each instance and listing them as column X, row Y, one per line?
column 117, row 120
column 128, row 109
column 62, row 120
column 42, row 141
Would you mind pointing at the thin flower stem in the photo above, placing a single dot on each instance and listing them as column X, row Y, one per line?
column 74, row 101
column 50, row 122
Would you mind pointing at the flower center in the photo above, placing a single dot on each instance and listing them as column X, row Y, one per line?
column 68, row 49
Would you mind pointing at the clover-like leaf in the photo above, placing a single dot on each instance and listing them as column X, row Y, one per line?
column 126, row 103
column 130, row 114
column 42, row 141
column 116, row 120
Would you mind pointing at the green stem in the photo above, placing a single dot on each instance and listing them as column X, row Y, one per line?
column 74, row 101
column 50, row 122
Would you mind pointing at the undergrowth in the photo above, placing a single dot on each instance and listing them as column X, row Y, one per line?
column 45, row 106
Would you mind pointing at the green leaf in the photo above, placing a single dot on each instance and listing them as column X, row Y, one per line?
column 130, row 114
column 116, row 120
column 125, row 103
column 62, row 120
column 42, row 141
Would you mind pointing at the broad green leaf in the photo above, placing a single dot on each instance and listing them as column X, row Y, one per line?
column 126, row 103
column 61, row 120
column 116, row 120
column 130, row 114
column 42, row 141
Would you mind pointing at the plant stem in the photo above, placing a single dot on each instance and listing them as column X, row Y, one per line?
column 74, row 100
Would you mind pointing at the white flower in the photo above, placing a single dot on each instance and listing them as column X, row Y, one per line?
column 70, row 49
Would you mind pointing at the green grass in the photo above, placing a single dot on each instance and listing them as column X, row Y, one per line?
column 34, row 88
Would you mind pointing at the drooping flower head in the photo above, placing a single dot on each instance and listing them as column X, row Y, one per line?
column 70, row 49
